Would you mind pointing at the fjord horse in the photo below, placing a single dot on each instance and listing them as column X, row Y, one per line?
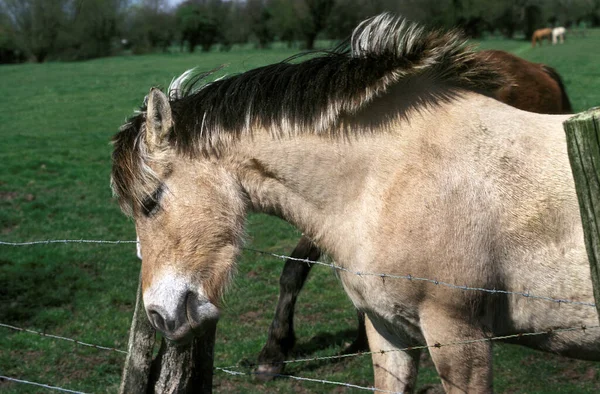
column 388, row 157
column 539, row 35
column 533, row 87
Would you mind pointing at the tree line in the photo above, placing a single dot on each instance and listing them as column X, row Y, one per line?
column 40, row 30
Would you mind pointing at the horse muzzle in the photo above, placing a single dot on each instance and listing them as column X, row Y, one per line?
column 177, row 312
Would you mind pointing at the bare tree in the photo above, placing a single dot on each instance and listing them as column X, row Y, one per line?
column 313, row 16
column 150, row 25
column 37, row 24
column 259, row 18
column 201, row 22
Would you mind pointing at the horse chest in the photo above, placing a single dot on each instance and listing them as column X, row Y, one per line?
column 390, row 303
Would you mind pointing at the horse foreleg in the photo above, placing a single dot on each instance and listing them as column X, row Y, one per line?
column 464, row 367
column 281, row 337
column 394, row 370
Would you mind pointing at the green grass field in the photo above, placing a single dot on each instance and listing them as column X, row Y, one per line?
column 56, row 121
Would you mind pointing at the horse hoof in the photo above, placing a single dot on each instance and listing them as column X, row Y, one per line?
column 268, row 372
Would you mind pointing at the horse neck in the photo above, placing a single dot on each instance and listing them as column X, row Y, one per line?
column 323, row 183
column 314, row 183
column 328, row 187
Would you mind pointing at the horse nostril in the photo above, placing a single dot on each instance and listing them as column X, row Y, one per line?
column 174, row 326
column 158, row 321
column 180, row 316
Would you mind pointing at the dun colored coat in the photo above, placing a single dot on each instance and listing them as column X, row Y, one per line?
column 533, row 87
column 389, row 158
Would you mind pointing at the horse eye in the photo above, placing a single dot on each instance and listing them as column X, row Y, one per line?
column 151, row 203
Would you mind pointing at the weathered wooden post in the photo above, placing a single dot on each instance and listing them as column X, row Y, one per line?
column 176, row 369
column 136, row 372
column 583, row 143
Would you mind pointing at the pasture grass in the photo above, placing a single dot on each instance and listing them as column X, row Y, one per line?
column 55, row 123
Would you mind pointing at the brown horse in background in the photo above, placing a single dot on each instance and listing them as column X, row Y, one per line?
column 534, row 88
column 540, row 34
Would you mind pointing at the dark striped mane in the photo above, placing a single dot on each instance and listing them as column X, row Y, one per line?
column 313, row 95
column 318, row 95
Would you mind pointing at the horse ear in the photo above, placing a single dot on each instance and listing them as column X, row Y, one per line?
column 159, row 120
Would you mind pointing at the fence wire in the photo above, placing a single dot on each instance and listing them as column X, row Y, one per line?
column 46, row 386
column 232, row 370
column 549, row 331
column 383, row 276
column 66, row 241
column 75, row 341
column 342, row 384
column 419, row 279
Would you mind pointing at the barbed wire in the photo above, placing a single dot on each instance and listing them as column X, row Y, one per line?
column 323, row 381
column 549, row 331
column 75, row 341
column 383, row 276
column 433, row 281
column 46, row 386
column 229, row 369
column 332, row 357
column 65, row 241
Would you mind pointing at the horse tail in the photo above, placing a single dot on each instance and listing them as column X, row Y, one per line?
column 566, row 103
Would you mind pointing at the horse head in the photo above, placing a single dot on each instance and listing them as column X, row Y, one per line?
column 188, row 217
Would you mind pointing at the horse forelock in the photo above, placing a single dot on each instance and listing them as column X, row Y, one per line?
column 132, row 178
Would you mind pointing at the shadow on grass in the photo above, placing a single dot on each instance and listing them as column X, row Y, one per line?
column 324, row 340
column 310, row 348
column 342, row 340
column 30, row 291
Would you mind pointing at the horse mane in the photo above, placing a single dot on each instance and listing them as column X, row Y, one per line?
column 312, row 96
column 315, row 95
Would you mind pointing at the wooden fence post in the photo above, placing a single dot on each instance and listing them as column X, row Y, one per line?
column 136, row 371
column 583, row 144
column 176, row 369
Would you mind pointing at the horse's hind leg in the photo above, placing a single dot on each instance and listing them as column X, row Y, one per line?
column 281, row 336
column 465, row 367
